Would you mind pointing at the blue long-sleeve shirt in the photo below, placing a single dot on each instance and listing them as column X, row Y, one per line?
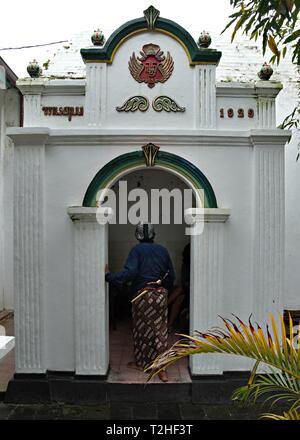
column 145, row 262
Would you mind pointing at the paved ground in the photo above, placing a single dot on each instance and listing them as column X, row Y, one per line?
column 120, row 354
column 126, row 412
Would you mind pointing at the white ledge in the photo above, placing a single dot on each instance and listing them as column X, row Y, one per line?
column 192, row 215
column 266, row 89
column 81, row 213
column 206, row 215
column 76, row 86
column 28, row 136
column 121, row 137
column 88, row 214
column 48, row 86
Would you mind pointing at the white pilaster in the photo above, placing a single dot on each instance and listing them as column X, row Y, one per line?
column 29, row 175
column 266, row 112
column 31, row 89
column 268, row 229
column 207, row 96
column 91, row 295
column 266, row 92
column 207, row 259
column 32, row 110
column 95, row 98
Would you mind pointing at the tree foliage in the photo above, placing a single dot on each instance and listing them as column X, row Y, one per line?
column 277, row 23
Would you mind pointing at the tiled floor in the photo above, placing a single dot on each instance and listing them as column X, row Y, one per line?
column 7, row 363
column 121, row 352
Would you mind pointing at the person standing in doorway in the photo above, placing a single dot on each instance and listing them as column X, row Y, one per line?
column 179, row 300
column 150, row 270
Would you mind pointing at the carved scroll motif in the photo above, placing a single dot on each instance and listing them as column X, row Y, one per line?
column 167, row 104
column 133, row 104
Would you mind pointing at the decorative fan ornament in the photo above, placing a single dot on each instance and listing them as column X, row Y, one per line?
column 152, row 66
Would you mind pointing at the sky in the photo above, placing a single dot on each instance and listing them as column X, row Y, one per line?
column 32, row 22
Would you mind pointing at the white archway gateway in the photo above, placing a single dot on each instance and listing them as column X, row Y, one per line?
column 76, row 128
column 91, row 298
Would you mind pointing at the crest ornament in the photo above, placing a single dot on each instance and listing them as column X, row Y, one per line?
column 150, row 151
column 152, row 66
column 204, row 40
column 151, row 15
column 265, row 72
column 98, row 38
column 34, row 69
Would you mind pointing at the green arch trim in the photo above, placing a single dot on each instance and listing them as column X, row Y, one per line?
column 124, row 163
column 162, row 25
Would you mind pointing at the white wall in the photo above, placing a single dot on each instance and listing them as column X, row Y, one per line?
column 10, row 118
column 229, row 171
column 121, row 86
column 285, row 104
column 69, row 169
column 241, row 60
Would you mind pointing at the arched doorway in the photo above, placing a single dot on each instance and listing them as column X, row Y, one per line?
column 170, row 230
column 135, row 160
column 91, row 255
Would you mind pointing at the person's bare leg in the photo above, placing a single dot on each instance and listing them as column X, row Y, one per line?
column 175, row 310
column 163, row 376
column 174, row 294
column 133, row 365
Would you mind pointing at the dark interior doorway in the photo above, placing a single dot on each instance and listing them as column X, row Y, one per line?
column 121, row 240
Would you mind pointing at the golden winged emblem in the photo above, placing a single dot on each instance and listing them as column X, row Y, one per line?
column 152, row 66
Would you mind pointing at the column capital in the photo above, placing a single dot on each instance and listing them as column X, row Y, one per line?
column 269, row 138
column 31, row 86
column 267, row 89
column 25, row 136
column 90, row 215
column 206, row 215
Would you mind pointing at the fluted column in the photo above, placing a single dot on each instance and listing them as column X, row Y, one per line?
column 91, row 295
column 266, row 92
column 207, row 96
column 95, row 98
column 32, row 92
column 32, row 110
column 268, row 228
column 207, row 259
column 29, row 175
column 266, row 113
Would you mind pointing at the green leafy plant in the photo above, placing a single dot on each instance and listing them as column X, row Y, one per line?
column 277, row 22
column 277, row 351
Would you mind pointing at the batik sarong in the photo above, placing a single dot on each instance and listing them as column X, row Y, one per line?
column 150, row 319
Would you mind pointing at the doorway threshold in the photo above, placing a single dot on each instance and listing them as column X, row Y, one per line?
column 121, row 353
